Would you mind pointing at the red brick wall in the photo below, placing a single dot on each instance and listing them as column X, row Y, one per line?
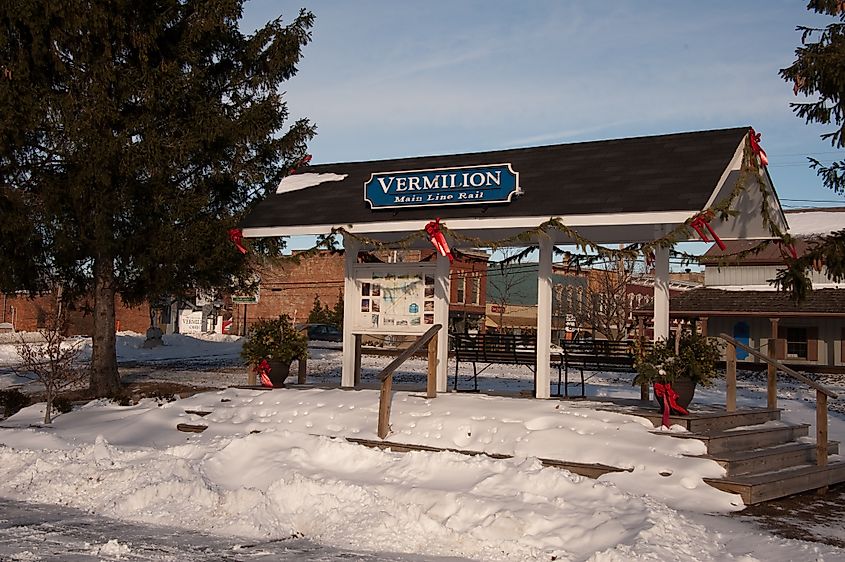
column 290, row 288
column 29, row 314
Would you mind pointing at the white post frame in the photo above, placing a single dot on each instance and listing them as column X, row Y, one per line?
column 350, row 259
column 544, row 317
column 661, row 294
column 441, row 316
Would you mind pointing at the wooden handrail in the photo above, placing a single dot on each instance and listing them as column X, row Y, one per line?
column 780, row 366
column 386, row 377
column 822, row 393
column 413, row 348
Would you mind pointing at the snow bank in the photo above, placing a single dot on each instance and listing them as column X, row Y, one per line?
column 258, row 471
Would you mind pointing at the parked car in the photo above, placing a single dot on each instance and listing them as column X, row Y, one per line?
column 322, row 332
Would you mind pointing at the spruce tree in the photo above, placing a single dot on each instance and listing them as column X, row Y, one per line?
column 133, row 135
column 818, row 72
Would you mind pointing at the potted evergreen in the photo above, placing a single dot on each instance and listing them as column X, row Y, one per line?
column 676, row 371
column 272, row 346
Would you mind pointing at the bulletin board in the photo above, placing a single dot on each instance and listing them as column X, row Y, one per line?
column 394, row 298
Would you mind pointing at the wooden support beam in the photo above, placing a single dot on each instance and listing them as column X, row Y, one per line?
column 730, row 376
column 772, row 372
column 356, row 368
column 821, row 428
column 384, row 406
column 772, row 378
column 303, row 371
column 431, row 382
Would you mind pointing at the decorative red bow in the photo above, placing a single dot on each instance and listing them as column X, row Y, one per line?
column 701, row 222
column 650, row 258
column 435, row 236
column 236, row 235
column 263, row 371
column 670, row 400
column 304, row 162
column 754, row 137
column 788, row 248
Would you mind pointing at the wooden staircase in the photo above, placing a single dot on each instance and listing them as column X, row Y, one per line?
column 765, row 458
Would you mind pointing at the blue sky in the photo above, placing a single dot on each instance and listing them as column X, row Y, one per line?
column 386, row 79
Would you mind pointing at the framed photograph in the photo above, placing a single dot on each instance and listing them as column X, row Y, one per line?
column 365, row 305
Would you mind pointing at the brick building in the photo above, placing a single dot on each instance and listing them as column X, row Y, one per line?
column 21, row 313
column 290, row 287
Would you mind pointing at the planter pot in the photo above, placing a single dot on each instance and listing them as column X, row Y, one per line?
column 685, row 387
column 279, row 371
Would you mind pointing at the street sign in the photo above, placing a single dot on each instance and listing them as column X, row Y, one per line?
column 245, row 299
column 569, row 323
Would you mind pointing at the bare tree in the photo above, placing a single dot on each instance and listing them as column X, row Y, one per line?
column 53, row 362
column 607, row 303
column 506, row 282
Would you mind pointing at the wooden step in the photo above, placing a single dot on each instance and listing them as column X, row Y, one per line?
column 756, row 488
column 584, row 469
column 753, row 437
column 767, row 459
column 707, row 420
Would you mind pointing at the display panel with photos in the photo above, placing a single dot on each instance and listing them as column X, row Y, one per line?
column 394, row 298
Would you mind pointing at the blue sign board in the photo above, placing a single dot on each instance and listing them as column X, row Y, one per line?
column 473, row 185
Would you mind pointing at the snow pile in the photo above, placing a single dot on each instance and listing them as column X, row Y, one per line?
column 274, row 464
column 301, row 181
column 258, row 471
column 815, row 222
column 130, row 348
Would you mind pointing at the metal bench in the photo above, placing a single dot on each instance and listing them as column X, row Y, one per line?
column 595, row 355
column 503, row 349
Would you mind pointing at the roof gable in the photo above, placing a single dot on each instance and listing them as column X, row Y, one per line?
column 676, row 172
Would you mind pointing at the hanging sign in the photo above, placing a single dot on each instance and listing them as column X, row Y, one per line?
column 473, row 185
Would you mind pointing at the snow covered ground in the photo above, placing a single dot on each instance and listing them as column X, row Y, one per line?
column 273, row 465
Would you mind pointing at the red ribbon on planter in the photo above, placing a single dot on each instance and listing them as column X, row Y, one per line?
column 754, row 137
column 263, row 371
column 236, row 235
column 437, row 239
column 670, row 400
column 701, row 222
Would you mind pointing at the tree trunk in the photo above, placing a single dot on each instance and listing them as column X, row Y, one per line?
column 105, row 380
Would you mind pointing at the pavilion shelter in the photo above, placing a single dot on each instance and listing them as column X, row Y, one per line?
column 644, row 190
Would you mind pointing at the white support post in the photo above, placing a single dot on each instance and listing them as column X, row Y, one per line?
column 350, row 259
column 441, row 316
column 661, row 294
column 544, row 317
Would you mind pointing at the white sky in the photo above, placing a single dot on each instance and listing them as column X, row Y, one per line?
column 384, row 79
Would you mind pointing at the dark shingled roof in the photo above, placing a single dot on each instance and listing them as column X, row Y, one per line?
column 676, row 172
column 771, row 254
column 819, row 301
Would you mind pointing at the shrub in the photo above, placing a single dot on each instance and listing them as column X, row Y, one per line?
column 696, row 358
column 274, row 340
column 13, row 401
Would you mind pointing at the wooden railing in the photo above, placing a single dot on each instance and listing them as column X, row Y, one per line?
column 386, row 376
column 822, row 393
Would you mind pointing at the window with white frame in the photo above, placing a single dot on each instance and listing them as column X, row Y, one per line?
column 474, row 289
column 796, row 343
